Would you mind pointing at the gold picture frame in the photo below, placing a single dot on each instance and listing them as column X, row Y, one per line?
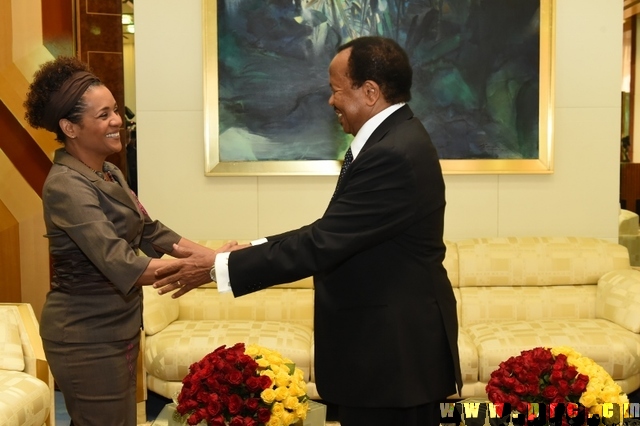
column 540, row 164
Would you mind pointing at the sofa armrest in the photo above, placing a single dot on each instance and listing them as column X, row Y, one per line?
column 618, row 298
column 159, row 310
column 35, row 361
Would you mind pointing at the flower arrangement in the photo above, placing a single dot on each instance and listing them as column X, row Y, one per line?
column 553, row 375
column 235, row 386
column 601, row 387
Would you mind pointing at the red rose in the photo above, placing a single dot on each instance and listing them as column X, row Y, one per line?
column 214, row 407
column 254, row 384
column 234, row 377
column 556, row 376
column 520, row 389
column 509, row 382
column 252, row 404
column 564, row 388
column 265, row 382
column 570, row 373
column 496, row 396
column 263, row 415
column 237, row 421
column 550, row 392
column 235, row 404
column 522, row 407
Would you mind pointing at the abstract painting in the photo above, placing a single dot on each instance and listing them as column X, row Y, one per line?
column 482, row 81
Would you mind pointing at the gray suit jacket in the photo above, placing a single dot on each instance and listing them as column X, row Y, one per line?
column 95, row 229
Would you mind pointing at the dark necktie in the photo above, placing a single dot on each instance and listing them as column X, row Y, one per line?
column 348, row 158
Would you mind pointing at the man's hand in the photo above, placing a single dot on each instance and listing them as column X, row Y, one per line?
column 191, row 270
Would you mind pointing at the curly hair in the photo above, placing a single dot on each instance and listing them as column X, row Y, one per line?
column 381, row 60
column 46, row 81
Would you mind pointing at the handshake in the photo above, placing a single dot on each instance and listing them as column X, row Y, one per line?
column 193, row 267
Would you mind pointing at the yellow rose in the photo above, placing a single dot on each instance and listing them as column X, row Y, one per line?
column 299, row 389
column 290, row 402
column 277, row 409
column 274, row 421
column 268, row 395
column 301, row 410
column 288, row 418
column 588, row 399
column 298, row 374
column 282, row 393
column 275, row 358
column 282, row 379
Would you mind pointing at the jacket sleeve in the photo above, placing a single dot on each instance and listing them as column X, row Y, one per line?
column 375, row 205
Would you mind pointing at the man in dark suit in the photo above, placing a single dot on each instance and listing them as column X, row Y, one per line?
column 385, row 314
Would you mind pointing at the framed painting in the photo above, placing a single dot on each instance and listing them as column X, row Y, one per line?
column 482, row 81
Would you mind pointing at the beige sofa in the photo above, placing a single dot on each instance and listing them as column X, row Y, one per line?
column 513, row 294
column 26, row 384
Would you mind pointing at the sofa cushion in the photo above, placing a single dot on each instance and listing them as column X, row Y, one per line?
column 482, row 304
column 169, row 354
column 24, row 399
column 11, row 355
column 608, row 344
column 159, row 311
column 468, row 357
column 537, row 261
column 291, row 305
column 618, row 298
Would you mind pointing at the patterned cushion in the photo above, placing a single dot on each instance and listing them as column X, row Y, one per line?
column 291, row 305
column 482, row 304
column 618, row 298
column 11, row 355
column 468, row 357
column 169, row 354
column 608, row 344
column 24, row 400
column 537, row 261
column 159, row 311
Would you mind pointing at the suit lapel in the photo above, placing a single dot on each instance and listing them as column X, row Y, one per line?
column 118, row 192
column 393, row 120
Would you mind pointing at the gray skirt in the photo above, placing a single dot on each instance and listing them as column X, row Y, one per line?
column 98, row 380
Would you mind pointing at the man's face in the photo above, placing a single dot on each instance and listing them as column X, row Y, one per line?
column 350, row 104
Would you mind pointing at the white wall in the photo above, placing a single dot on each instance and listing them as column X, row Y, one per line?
column 581, row 198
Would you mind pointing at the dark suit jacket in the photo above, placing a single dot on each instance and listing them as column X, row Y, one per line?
column 94, row 229
column 385, row 314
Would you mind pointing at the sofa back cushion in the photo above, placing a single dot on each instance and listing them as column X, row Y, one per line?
column 537, row 261
column 291, row 305
column 501, row 303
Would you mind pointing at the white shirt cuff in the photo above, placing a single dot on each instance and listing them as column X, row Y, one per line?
column 222, row 268
column 222, row 272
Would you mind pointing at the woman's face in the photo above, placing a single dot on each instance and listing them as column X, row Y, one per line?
column 99, row 130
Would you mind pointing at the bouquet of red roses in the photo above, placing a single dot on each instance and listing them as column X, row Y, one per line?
column 536, row 376
column 238, row 387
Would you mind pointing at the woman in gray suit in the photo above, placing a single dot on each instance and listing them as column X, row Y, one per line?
column 96, row 227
